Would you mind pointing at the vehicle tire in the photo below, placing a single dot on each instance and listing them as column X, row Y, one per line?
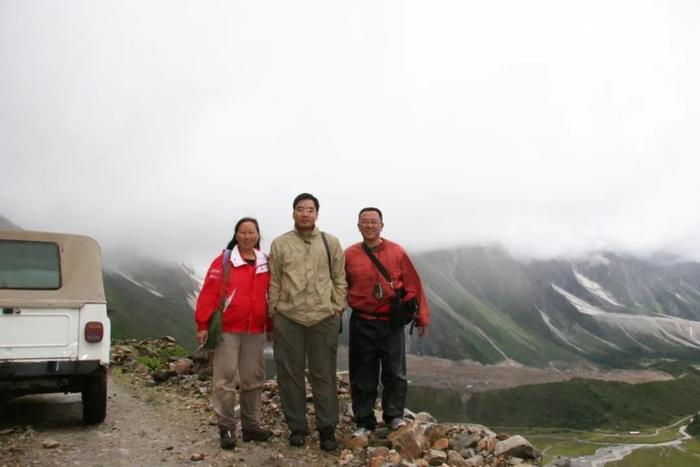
column 94, row 396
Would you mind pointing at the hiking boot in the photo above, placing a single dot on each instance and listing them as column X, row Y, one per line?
column 396, row 423
column 228, row 438
column 327, row 439
column 297, row 438
column 256, row 434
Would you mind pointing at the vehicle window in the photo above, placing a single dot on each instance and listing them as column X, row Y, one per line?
column 29, row 265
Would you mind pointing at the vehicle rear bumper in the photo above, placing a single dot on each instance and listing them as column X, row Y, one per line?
column 10, row 371
column 19, row 378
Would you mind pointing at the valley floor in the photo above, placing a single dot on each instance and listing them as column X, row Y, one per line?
column 474, row 377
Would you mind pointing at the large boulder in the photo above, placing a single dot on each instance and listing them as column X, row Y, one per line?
column 516, row 446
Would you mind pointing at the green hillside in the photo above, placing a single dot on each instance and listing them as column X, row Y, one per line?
column 589, row 404
column 136, row 312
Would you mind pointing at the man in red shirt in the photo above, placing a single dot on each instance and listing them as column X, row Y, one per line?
column 374, row 342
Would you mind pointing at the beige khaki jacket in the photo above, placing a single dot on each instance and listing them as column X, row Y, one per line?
column 301, row 286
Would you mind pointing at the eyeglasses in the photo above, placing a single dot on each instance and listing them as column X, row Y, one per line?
column 370, row 222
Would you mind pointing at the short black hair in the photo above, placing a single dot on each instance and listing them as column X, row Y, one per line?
column 234, row 242
column 303, row 197
column 381, row 218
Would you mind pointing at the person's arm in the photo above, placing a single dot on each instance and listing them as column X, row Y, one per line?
column 414, row 288
column 208, row 298
column 340, row 285
column 274, row 263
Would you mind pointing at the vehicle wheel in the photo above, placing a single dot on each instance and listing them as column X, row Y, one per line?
column 94, row 396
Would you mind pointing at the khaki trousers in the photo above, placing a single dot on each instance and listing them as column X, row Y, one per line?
column 295, row 345
column 238, row 355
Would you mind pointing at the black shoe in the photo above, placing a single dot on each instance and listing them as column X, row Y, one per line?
column 256, row 434
column 297, row 438
column 228, row 438
column 327, row 439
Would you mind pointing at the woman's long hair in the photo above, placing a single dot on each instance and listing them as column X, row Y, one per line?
column 234, row 242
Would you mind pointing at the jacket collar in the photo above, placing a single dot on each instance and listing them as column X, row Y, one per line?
column 237, row 260
column 313, row 233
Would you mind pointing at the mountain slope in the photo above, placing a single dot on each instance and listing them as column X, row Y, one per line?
column 151, row 298
column 609, row 308
column 6, row 224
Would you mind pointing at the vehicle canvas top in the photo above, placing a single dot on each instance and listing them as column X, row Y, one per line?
column 80, row 279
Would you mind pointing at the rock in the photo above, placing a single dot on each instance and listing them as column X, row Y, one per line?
column 169, row 339
column 442, row 443
column 161, row 376
column 475, row 460
column 50, row 443
column 486, row 444
column 197, row 456
column 465, row 441
column 515, row 461
column 378, row 451
column 355, row 442
column 436, row 457
column 141, row 369
column 182, row 366
column 516, row 446
column 376, row 461
column 425, row 417
column 7, row 431
column 345, row 457
column 502, row 436
column 454, row 459
column 393, row 457
column 408, row 440
column 435, row 432
column 422, row 463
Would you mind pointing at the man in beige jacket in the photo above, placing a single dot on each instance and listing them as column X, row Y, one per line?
column 307, row 296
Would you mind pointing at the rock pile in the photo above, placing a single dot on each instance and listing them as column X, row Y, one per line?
column 422, row 441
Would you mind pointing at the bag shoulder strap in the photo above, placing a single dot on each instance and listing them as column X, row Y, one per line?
column 380, row 267
column 328, row 253
column 227, row 271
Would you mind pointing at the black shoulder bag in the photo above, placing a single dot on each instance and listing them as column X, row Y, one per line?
column 402, row 312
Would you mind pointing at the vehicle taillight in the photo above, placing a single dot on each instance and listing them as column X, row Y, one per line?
column 94, row 331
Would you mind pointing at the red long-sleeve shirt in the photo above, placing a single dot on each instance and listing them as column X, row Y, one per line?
column 362, row 277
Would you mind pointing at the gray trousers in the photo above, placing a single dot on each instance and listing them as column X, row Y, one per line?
column 238, row 355
column 295, row 345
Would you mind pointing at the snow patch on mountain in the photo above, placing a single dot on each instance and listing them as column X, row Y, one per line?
column 675, row 331
column 595, row 288
column 559, row 334
column 143, row 285
column 581, row 305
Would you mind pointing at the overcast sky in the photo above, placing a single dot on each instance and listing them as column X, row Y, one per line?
column 550, row 127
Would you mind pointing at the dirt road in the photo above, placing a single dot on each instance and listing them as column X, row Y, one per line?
column 144, row 427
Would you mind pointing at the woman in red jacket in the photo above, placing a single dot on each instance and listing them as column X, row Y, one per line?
column 243, row 322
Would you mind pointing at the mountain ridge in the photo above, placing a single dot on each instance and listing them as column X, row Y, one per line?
column 608, row 308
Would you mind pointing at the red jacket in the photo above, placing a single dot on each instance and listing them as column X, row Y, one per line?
column 246, row 295
column 362, row 276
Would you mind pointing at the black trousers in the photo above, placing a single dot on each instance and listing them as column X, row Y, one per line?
column 375, row 346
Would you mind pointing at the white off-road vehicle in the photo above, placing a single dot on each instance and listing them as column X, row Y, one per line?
column 54, row 329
